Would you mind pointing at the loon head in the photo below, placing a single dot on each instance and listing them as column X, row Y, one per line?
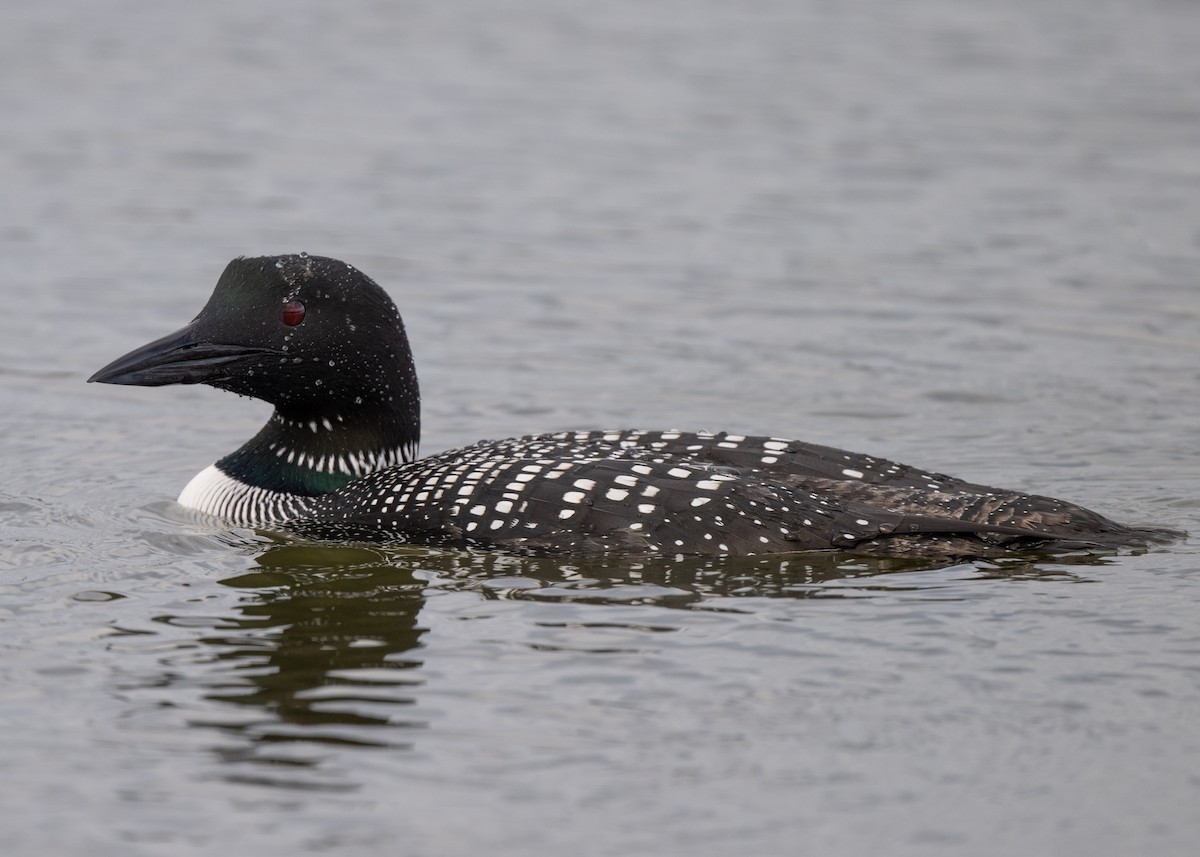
column 316, row 338
column 298, row 331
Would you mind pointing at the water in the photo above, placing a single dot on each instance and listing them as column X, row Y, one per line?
column 960, row 235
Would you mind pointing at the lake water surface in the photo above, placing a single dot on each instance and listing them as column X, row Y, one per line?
column 962, row 235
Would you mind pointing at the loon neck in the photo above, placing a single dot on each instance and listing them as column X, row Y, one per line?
column 308, row 453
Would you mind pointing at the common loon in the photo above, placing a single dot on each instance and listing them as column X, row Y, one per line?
column 325, row 345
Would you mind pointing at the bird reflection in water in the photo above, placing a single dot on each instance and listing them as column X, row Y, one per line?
column 326, row 647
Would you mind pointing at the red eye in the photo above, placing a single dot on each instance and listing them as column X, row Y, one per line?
column 293, row 313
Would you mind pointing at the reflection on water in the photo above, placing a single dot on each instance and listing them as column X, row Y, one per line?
column 319, row 653
column 703, row 581
column 323, row 650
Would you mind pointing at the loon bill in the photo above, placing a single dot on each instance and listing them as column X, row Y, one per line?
column 325, row 345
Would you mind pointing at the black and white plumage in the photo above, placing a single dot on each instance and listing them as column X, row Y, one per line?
column 324, row 344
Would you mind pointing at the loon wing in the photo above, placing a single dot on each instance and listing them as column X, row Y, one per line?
column 908, row 500
column 628, row 504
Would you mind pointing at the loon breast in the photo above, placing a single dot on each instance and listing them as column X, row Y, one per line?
column 216, row 493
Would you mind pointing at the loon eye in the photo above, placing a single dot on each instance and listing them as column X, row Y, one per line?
column 293, row 313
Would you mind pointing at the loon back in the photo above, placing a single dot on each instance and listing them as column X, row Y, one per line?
column 338, row 458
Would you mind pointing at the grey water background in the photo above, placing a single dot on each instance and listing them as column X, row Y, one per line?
column 962, row 235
